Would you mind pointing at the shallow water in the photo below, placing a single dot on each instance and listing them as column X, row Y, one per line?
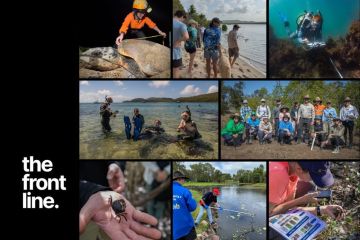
column 231, row 225
column 255, row 47
column 94, row 144
column 337, row 15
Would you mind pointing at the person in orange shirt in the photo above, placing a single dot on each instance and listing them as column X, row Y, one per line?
column 289, row 184
column 319, row 108
column 136, row 20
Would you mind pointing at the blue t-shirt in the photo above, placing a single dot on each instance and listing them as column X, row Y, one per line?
column 253, row 123
column 286, row 125
column 211, row 37
column 179, row 29
column 183, row 205
column 329, row 114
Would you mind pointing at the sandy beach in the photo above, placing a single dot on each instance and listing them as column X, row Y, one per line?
column 240, row 69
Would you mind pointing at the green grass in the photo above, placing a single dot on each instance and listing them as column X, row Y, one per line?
column 197, row 196
column 214, row 184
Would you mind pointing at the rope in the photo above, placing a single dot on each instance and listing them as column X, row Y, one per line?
column 154, row 36
column 338, row 72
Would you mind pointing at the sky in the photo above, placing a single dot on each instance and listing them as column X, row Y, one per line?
column 245, row 10
column 91, row 91
column 229, row 167
column 251, row 86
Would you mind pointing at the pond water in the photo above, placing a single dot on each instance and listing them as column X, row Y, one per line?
column 240, row 226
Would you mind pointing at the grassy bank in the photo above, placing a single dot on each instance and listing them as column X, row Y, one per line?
column 197, row 196
column 214, row 184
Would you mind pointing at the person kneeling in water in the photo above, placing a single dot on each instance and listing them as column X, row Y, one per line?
column 187, row 127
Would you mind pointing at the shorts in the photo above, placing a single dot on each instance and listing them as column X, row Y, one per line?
column 213, row 54
column 177, row 63
column 234, row 52
column 190, row 50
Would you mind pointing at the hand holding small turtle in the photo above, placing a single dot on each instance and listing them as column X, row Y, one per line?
column 117, row 217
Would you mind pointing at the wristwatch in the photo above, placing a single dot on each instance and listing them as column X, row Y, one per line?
column 318, row 211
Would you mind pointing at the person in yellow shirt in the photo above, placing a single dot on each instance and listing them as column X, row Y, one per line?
column 319, row 108
column 136, row 20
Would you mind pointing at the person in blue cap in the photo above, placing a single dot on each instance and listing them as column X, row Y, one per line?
column 290, row 188
column 183, row 204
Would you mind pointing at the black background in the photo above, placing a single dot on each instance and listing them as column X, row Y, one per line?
column 41, row 115
column 100, row 21
column 41, row 101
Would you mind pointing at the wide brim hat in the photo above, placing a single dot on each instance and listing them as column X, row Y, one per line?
column 319, row 172
column 178, row 174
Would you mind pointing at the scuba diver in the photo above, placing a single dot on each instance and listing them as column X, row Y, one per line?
column 136, row 21
column 106, row 113
column 153, row 130
column 187, row 127
column 309, row 28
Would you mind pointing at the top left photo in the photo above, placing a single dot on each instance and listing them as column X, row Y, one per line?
column 124, row 39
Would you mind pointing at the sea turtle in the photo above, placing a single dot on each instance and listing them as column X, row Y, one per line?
column 106, row 62
column 152, row 58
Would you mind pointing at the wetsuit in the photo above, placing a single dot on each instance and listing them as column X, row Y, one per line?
column 105, row 117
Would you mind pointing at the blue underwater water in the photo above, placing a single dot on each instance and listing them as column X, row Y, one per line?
column 337, row 14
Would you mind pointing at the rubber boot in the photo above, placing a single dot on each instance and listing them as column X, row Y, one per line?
column 336, row 150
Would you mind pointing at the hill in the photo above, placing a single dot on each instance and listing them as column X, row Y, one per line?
column 208, row 97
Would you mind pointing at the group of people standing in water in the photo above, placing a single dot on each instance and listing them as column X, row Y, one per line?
column 135, row 128
column 307, row 123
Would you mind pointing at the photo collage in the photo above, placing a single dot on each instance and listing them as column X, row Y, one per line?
column 219, row 119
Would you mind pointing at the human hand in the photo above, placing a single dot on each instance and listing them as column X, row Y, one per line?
column 162, row 33
column 115, row 178
column 119, row 39
column 161, row 176
column 309, row 198
column 312, row 123
column 98, row 208
column 333, row 211
column 235, row 135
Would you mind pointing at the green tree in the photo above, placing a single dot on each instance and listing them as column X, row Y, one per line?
column 224, row 28
column 177, row 6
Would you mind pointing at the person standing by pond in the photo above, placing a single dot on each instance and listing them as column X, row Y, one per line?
column 233, row 45
column 183, row 204
column 211, row 39
column 205, row 202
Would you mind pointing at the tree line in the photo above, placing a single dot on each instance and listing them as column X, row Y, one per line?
column 205, row 172
column 335, row 91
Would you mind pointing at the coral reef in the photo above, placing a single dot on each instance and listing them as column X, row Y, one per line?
column 286, row 59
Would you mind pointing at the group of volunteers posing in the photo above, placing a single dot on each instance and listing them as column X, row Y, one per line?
column 312, row 124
